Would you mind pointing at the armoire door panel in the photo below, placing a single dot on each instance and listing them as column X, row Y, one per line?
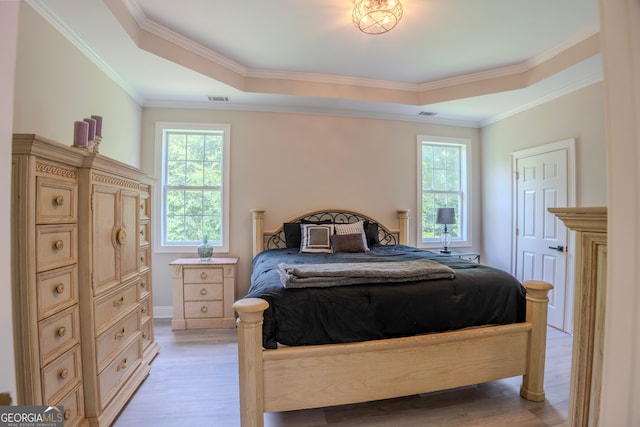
column 129, row 246
column 105, row 252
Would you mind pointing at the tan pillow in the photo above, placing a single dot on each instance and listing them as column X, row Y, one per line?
column 353, row 228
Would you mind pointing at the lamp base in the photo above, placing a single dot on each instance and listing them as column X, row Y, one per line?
column 445, row 251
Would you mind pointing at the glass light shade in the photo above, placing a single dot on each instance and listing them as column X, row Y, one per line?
column 376, row 16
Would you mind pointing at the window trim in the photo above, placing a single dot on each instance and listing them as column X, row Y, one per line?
column 466, row 226
column 159, row 204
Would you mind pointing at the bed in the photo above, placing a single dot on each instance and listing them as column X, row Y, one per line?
column 289, row 364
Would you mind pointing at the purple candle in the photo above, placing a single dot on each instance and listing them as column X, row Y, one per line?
column 92, row 128
column 80, row 134
column 98, row 120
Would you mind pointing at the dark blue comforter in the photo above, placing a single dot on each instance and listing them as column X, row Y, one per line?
column 478, row 295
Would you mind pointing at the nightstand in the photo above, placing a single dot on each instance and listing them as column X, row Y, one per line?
column 203, row 292
column 467, row 255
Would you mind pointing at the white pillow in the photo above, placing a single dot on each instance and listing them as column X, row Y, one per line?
column 316, row 238
column 353, row 228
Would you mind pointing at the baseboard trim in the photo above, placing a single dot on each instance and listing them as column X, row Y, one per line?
column 163, row 312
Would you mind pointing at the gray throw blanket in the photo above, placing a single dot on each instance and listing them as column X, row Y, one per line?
column 352, row 273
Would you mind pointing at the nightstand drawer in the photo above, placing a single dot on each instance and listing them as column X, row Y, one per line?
column 203, row 275
column 58, row 334
column 206, row 291
column 55, row 246
column 203, row 309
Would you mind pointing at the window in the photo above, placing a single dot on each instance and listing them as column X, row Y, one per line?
column 443, row 183
column 194, row 201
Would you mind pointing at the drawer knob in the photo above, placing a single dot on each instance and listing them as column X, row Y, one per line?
column 204, row 309
column 59, row 244
column 122, row 366
column 62, row 331
column 203, row 275
column 144, row 335
column 144, row 310
column 119, row 334
column 121, row 236
column 59, row 200
column 143, row 285
column 64, row 373
column 142, row 233
column 67, row 414
column 203, row 291
column 119, row 301
column 60, row 288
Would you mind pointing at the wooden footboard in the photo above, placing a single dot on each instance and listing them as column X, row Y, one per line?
column 318, row 376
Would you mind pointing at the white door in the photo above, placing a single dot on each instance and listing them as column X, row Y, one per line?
column 542, row 182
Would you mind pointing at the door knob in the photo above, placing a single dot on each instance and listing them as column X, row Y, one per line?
column 558, row 248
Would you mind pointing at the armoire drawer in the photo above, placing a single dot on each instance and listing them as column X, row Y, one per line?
column 115, row 304
column 61, row 375
column 57, row 289
column 55, row 246
column 145, row 232
column 145, row 255
column 58, row 334
column 119, row 370
column 146, row 310
column 55, row 201
column 113, row 340
column 147, row 335
column 73, row 404
column 145, row 284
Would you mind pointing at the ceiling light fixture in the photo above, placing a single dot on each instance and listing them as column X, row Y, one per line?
column 376, row 16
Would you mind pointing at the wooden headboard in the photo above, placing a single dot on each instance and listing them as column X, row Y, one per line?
column 263, row 240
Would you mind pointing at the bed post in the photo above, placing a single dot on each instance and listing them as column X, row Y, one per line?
column 537, row 304
column 250, row 315
column 258, row 230
column 403, row 226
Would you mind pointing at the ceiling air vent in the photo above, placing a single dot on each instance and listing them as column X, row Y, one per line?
column 427, row 113
column 218, row 98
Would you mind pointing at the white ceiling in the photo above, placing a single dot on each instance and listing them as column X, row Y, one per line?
column 306, row 55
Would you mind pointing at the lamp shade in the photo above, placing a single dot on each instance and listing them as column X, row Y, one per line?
column 446, row 216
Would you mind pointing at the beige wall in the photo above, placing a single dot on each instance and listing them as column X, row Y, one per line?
column 9, row 11
column 620, row 23
column 56, row 84
column 579, row 115
column 292, row 163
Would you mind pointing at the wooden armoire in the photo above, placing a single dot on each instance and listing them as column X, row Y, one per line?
column 81, row 273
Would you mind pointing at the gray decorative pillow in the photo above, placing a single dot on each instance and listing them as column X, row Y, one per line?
column 347, row 243
column 316, row 238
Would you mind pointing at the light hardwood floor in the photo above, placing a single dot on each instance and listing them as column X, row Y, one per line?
column 194, row 382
